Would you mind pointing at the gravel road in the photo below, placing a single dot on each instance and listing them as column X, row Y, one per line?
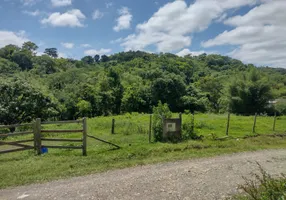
column 207, row 178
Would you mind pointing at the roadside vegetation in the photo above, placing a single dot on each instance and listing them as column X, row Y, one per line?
column 263, row 187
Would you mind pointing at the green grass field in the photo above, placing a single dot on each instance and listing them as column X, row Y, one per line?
column 131, row 133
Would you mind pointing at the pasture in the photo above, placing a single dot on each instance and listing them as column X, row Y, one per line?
column 131, row 134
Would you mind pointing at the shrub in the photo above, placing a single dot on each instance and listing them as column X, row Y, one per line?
column 158, row 113
column 264, row 187
column 189, row 132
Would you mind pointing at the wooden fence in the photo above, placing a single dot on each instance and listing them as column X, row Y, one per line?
column 39, row 137
column 18, row 143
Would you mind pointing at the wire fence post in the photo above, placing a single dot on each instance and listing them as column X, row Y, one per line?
column 254, row 123
column 150, row 128
column 113, row 125
column 274, row 122
column 227, row 125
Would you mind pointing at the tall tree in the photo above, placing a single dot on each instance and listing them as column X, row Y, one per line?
column 104, row 58
column 88, row 60
column 23, row 59
column 7, row 51
column 30, row 46
column 250, row 94
column 96, row 58
column 53, row 52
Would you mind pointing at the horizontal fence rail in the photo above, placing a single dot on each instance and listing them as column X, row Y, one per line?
column 61, row 131
column 15, row 125
column 18, row 143
column 16, row 133
column 63, row 122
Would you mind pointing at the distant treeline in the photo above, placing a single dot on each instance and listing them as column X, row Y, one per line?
column 50, row 87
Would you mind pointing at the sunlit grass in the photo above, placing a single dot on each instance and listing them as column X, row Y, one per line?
column 131, row 133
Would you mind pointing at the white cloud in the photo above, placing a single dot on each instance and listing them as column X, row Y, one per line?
column 170, row 28
column 85, row 45
column 124, row 21
column 108, row 4
column 97, row 15
column 60, row 3
column 62, row 55
column 32, row 13
column 118, row 40
column 71, row 18
column 67, row 45
column 9, row 37
column 259, row 35
column 30, row 2
column 92, row 52
column 185, row 52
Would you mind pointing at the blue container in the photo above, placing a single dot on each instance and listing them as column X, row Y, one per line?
column 44, row 150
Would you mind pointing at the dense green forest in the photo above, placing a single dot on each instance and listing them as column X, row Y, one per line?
column 50, row 87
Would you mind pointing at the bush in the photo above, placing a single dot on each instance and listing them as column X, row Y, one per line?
column 264, row 187
column 188, row 130
column 158, row 113
column 189, row 133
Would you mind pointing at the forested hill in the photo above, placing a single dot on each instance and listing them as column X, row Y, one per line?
column 47, row 86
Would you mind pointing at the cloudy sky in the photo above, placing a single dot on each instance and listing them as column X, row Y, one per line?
column 253, row 31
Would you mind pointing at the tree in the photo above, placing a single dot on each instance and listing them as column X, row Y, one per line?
column 20, row 102
column 53, row 52
column 8, row 67
column 30, row 46
column 213, row 89
column 88, row 60
column 104, row 58
column 250, row 94
column 84, row 108
column 136, row 98
column 117, row 89
column 44, row 64
column 23, row 58
column 8, row 51
column 169, row 89
column 96, row 58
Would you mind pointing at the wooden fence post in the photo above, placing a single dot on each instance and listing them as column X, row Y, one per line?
column 112, row 126
column 254, row 124
column 150, row 128
column 84, row 124
column 37, row 136
column 227, row 125
column 274, row 122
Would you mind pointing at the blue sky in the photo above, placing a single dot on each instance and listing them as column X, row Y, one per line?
column 249, row 30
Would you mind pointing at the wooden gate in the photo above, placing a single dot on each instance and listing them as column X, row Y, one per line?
column 39, row 137
column 18, row 143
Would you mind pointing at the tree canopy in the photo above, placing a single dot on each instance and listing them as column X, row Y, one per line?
column 135, row 81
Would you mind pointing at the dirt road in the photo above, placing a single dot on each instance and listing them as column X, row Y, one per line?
column 210, row 178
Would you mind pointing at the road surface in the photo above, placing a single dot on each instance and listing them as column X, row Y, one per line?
column 207, row 178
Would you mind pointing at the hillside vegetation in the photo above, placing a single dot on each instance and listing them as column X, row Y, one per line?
column 50, row 87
